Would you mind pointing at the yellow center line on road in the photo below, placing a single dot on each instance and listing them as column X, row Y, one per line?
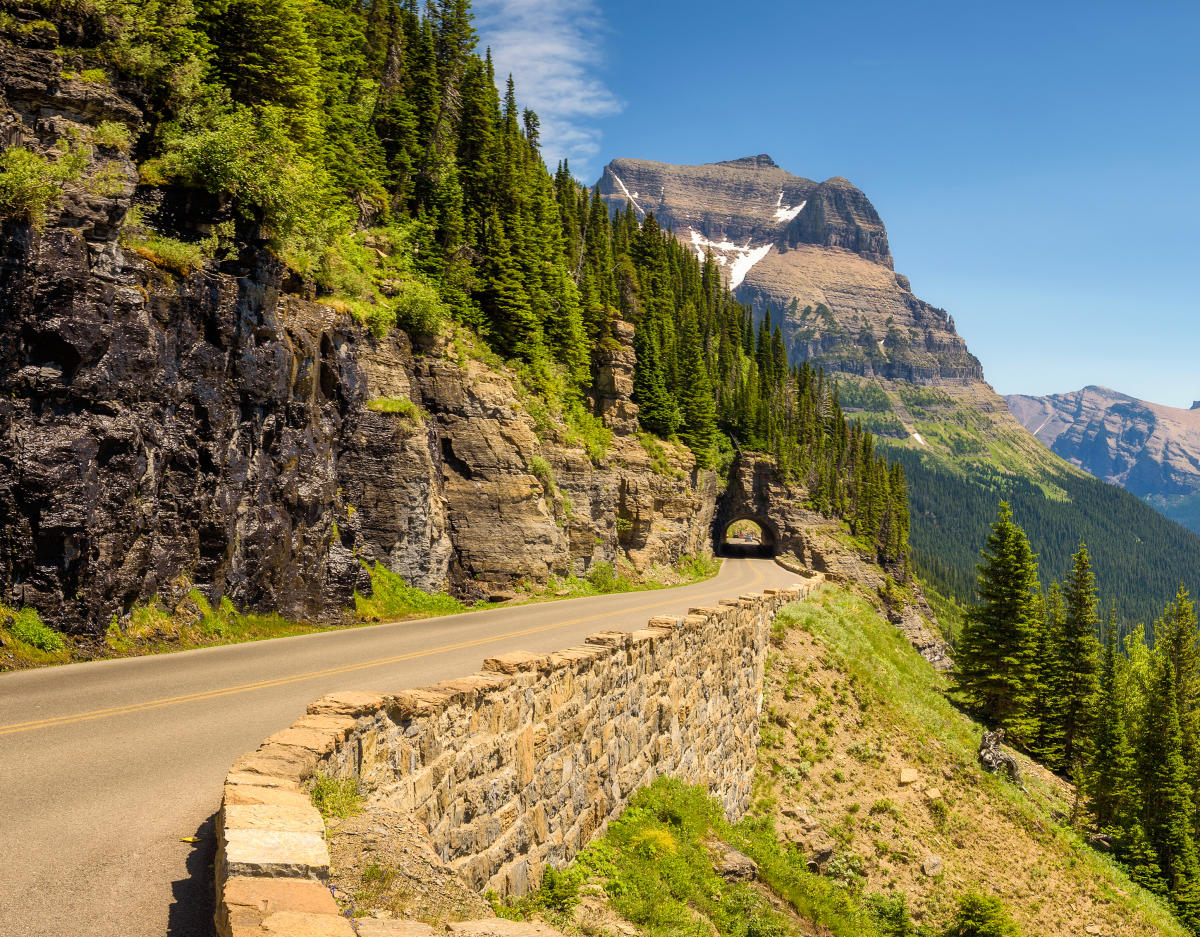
column 200, row 695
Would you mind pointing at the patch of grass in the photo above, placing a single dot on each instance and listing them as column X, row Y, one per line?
column 180, row 257
column 336, row 798
column 392, row 598
column 587, row 430
column 655, row 864
column 949, row 612
column 864, row 679
column 660, row 463
column 370, row 275
column 93, row 75
column 401, row 406
column 27, row 641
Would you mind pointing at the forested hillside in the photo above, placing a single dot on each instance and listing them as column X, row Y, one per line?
column 371, row 149
column 1123, row 724
column 1140, row 556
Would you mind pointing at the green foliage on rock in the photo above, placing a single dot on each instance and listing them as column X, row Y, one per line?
column 31, row 184
column 26, row 626
column 336, row 798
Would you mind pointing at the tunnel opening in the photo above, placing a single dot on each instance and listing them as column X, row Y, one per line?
column 747, row 536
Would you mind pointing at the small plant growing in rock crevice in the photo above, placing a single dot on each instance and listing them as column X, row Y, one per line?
column 336, row 798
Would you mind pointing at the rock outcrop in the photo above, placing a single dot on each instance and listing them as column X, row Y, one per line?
column 815, row 254
column 1150, row 449
column 221, row 428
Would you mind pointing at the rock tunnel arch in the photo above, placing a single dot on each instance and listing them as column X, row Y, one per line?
column 728, row 542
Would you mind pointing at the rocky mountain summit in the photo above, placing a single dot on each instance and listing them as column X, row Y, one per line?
column 814, row 253
column 1150, row 449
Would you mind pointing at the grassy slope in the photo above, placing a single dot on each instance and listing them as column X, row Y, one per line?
column 848, row 703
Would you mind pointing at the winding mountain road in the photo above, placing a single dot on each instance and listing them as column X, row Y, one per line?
column 106, row 767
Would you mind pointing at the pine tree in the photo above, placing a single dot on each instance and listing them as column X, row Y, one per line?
column 696, row 404
column 1078, row 653
column 658, row 412
column 1113, row 789
column 1176, row 635
column 1047, row 743
column 1168, row 796
column 996, row 659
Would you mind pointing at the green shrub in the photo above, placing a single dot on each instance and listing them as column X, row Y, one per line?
column 890, row 915
column 560, row 890
column 29, row 628
column 698, row 566
column 418, row 308
column 251, row 154
column 112, row 134
column 336, row 797
column 93, row 75
column 108, row 181
column 540, row 469
column 603, row 577
column 30, row 185
column 981, row 916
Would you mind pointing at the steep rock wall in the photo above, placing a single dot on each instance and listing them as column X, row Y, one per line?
column 511, row 769
column 160, row 429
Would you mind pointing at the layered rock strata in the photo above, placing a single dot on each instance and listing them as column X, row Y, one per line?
column 815, row 254
column 509, row 770
column 1150, row 449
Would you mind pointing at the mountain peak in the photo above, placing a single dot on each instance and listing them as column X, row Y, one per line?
column 761, row 161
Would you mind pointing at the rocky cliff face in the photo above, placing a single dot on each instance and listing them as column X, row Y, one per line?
column 1149, row 449
column 222, row 428
column 814, row 253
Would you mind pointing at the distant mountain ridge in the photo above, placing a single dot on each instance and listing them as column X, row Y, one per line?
column 1150, row 449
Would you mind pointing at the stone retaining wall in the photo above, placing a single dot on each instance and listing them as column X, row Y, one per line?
column 510, row 769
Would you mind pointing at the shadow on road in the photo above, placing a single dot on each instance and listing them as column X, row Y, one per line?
column 191, row 912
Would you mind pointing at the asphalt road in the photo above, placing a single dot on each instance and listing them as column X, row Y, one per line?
column 105, row 767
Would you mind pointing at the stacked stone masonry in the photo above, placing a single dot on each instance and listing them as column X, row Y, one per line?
column 511, row 769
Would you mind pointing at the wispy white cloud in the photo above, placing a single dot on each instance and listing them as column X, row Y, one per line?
column 553, row 50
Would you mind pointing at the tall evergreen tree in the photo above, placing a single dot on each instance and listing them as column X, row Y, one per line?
column 1047, row 742
column 1078, row 652
column 1168, row 797
column 996, row 658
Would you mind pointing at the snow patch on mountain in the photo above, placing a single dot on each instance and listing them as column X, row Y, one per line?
column 739, row 258
column 744, row 262
column 631, row 196
column 785, row 214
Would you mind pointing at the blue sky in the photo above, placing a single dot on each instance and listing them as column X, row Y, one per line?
column 1037, row 164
